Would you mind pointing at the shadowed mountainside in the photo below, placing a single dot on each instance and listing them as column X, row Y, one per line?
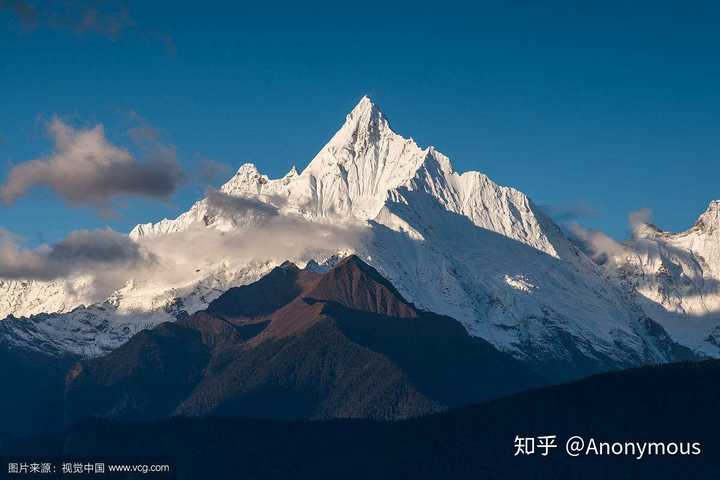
column 297, row 345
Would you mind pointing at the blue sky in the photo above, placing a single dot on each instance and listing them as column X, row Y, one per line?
column 596, row 111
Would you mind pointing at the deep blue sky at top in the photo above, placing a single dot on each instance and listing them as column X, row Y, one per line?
column 590, row 107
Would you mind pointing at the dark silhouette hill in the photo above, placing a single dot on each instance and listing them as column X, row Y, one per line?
column 668, row 403
column 31, row 396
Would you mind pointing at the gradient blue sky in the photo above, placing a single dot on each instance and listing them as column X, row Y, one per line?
column 595, row 110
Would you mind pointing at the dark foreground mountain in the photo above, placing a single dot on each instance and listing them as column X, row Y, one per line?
column 298, row 345
column 670, row 403
column 31, row 392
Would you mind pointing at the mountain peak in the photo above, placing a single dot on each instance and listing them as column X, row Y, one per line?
column 365, row 103
column 362, row 161
column 271, row 292
column 248, row 179
column 355, row 284
column 365, row 108
column 710, row 218
column 288, row 265
column 714, row 206
column 355, row 263
column 248, row 169
column 365, row 115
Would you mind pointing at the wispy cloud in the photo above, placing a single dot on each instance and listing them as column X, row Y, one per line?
column 569, row 213
column 209, row 172
column 85, row 168
column 639, row 218
column 601, row 247
column 595, row 243
column 109, row 19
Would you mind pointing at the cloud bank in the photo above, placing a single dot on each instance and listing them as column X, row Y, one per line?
column 247, row 230
column 82, row 251
column 222, row 204
column 236, row 233
column 85, row 168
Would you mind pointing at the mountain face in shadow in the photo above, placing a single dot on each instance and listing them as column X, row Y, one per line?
column 31, row 397
column 668, row 403
column 298, row 345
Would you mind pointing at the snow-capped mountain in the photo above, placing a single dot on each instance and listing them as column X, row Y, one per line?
column 675, row 277
column 453, row 243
